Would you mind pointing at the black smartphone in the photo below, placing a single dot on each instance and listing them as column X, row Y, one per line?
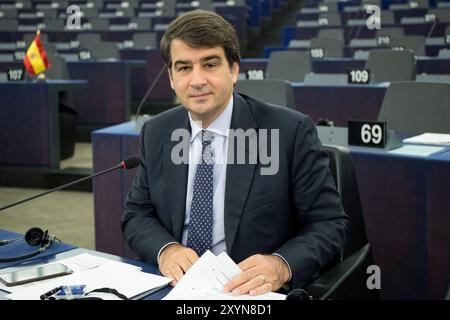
column 34, row 274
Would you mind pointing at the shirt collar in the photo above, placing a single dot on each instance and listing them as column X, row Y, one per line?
column 219, row 126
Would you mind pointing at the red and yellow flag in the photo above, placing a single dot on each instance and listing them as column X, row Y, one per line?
column 36, row 59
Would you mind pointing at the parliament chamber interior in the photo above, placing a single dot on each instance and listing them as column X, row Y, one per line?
column 373, row 75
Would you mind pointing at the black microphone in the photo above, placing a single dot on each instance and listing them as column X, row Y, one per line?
column 423, row 46
column 430, row 31
column 128, row 163
column 139, row 121
column 36, row 236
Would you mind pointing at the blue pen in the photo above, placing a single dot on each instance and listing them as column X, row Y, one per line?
column 50, row 293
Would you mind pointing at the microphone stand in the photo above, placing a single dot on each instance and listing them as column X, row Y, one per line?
column 62, row 187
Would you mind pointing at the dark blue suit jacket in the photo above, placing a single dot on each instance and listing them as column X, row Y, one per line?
column 296, row 213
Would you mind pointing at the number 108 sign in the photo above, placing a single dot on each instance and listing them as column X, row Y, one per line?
column 367, row 133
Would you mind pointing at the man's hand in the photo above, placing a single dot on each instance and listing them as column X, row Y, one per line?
column 175, row 260
column 261, row 274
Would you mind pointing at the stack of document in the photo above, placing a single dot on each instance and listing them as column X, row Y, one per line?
column 439, row 139
column 207, row 277
column 94, row 272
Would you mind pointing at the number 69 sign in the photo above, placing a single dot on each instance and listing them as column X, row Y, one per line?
column 367, row 133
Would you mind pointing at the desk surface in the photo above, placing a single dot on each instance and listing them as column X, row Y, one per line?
column 63, row 251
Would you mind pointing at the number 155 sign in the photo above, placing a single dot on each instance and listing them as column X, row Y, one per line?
column 367, row 133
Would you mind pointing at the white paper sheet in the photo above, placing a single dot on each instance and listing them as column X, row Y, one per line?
column 439, row 139
column 128, row 281
column 207, row 277
column 415, row 150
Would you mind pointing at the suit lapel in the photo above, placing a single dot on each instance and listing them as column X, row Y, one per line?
column 239, row 176
column 175, row 184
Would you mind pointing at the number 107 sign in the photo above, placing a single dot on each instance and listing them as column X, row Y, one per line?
column 367, row 133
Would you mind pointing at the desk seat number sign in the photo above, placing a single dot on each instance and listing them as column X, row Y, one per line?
column 358, row 76
column 84, row 55
column 255, row 74
column 15, row 74
column 367, row 133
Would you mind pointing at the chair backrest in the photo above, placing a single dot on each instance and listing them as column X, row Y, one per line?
column 443, row 5
column 417, row 107
column 144, row 24
column 145, row 39
column 54, row 24
column 58, row 69
column 115, row 5
column 387, row 18
column 443, row 14
column 170, row 4
column 8, row 13
column 6, row 57
column 46, row 4
column 444, row 54
column 98, row 4
column 205, row 5
column 99, row 24
column 105, row 50
column 345, row 276
column 343, row 172
column 274, row 91
column 88, row 39
column 333, row 48
column 325, row 79
column 390, row 65
column 49, row 47
column 333, row 18
column 335, row 33
column 414, row 43
column 444, row 78
column 288, row 65
column 299, row 44
column 333, row 6
column 125, row 12
column 89, row 12
column 48, row 12
column 361, row 55
column 390, row 31
column 422, row 3
column 372, row 2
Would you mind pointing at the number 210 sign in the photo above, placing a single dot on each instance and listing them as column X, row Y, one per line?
column 367, row 133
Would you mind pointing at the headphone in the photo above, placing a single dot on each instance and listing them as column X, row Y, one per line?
column 34, row 236
column 299, row 294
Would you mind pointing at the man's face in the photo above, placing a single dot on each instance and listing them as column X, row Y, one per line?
column 202, row 79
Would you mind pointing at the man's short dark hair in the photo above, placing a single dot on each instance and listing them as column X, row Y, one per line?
column 200, row 28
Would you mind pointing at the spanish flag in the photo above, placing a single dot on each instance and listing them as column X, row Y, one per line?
column 36, row 59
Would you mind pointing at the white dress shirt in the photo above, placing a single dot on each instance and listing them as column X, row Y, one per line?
column 219, row 130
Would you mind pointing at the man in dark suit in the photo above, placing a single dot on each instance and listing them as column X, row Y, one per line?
column 280, row 225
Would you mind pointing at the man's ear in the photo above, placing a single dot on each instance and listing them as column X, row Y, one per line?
column 235, row 72
column 170, row 78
